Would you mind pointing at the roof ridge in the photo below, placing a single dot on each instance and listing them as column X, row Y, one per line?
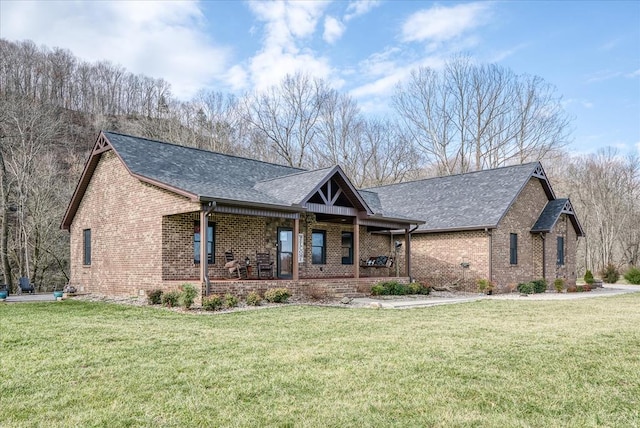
column 306, row 171
column 452, row 175
column 204, row 150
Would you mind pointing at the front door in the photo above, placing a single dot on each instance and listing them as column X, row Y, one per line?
column 285, row 252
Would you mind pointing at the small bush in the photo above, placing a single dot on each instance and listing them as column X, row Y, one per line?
column 559, row 284
column 572, row 289
column 610, row 274
column 154, row 296
column 277, row 295
column 317, row 292
column 526, row 288
column 170, row 298
column 483, row 285
column 212, row 302
column 418, row 288
column 253, row 299
column 188, row 295
column 539, row 285
column 230, row 301
column 586, row 287
column 588, row 277
column 633, row 276
column 378, row 290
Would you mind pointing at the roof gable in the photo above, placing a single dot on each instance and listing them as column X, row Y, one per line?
column 475, row 200
column 552, row 212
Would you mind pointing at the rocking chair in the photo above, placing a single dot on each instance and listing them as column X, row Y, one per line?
column 25, row 285
column 234, row 266
column 264, row 264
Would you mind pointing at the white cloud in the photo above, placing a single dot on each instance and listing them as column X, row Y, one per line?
column 287, row 26
column 439, row 23
column 164, row 39
column 333, row 29
column 360, row 7
column 634, row 73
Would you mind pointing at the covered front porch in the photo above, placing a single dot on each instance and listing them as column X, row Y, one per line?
column 329, row 239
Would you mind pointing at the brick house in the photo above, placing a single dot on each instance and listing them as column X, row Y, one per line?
column 503, row 224
column 138, row 212
column 136, row 217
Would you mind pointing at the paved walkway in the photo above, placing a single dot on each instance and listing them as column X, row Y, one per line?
column 23, row 298
column 405, row 302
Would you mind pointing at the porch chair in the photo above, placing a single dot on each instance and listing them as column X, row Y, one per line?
column 234, row 266
column 25, row 285
column 264, row 264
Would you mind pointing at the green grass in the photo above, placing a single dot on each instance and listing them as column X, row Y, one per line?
column 488, row 363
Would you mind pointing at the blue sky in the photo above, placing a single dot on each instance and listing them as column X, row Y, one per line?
column 589, row 50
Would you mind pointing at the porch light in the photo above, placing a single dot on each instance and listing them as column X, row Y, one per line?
column 398, row 244
column 247, row 261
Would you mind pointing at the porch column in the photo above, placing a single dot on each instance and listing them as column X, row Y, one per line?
column 296, row 244
column 407, row 251
column 204, row 260
column 356, row 247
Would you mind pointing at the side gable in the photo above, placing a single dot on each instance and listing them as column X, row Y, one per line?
column 551, row 214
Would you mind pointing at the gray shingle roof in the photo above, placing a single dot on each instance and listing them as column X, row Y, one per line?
column 199, row 172
column 457, row 202
column 549, row 215
column 294, row 187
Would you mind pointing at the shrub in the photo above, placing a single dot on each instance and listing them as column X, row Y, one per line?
column 526, row 288
column 317, row 292
column 579, row 288
column 588, row 277
column 418, row 288
column 633, row 275
column 277, row 295
column 483, row 285
column 230, row 301
column 154, row 296
column 586, row 287
column 170, row 298
column 539, row 285
column 253, row 299
column 572, row 289
column 610, row 274
column 378, row 290
column 212, row 302
column 188, row 295
column 559, row 284
column 394, row 288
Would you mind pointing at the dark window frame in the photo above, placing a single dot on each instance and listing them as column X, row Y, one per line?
column 349, row 259
column 560, row 251
column 86, row 247
column 323, row 247
column 211, row 239
column 513, row 248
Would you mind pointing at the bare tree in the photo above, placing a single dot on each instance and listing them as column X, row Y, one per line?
column 605, row 189
column 469, row 117
column 287, row 116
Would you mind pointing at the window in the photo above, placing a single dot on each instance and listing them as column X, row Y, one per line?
column 318, row 247
column 347, row 248
column 210, row 242
column 513, row 248
column 560, row 260
column 86, row 246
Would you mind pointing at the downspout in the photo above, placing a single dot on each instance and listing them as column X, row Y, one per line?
column 207, row 208
column 490, row 235
column 408, row 256
column 544, row 255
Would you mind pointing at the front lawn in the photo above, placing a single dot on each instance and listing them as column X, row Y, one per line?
column 488, row 363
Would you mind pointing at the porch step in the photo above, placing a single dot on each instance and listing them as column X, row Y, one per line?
column 355, row 295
